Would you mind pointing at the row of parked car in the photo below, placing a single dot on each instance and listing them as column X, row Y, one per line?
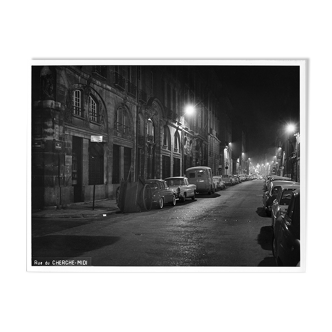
column 281, row 201
column 196, row 180
column 221, row 181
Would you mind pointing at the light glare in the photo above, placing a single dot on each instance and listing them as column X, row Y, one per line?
column 190, row 109
column 290, row 128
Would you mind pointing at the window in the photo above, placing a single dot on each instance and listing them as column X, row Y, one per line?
column 77, row 103
column 150, row 131
column 122, row 121
column 93, row 110
column 176, row 142
column 141, row 124
column 286, row 197
column 167, row 138
column 291, row 208
column 100, row 70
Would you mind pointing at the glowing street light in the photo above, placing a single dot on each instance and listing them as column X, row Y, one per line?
column 189, row 110
column 290, row 128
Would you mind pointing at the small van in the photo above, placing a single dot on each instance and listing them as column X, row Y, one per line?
column 201, row 176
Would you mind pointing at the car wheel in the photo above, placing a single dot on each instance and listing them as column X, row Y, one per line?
column 173, row 201
column 161, row 203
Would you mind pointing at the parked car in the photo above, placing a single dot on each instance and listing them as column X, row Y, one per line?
column 271, row 193
column 236, row 179
column 201, row 176
column 160, row 193
column 242, row 177
column 181, row 188
column 286, row 235
column 272, row 178
column 228, row 180
column 219, row 183
column 281, row 203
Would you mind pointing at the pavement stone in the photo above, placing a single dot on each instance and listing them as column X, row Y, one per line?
column 79, row 210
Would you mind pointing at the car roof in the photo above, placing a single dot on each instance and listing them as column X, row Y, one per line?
column 291, row 186
column 284, row 182
column 275, row 178
column 154, row 180
column 197, row 167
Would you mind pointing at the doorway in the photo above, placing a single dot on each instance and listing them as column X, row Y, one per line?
column 77, row 169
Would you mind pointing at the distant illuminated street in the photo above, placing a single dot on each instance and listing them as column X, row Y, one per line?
column 228, row 228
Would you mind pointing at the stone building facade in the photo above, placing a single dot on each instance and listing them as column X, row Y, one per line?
column 93, row 126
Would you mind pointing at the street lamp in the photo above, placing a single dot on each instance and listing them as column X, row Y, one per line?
column 189, row 109
column 290, row 129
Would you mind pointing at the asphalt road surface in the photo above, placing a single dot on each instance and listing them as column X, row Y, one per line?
column 228, row 229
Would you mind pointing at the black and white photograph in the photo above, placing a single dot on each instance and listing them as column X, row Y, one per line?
column 167, row 165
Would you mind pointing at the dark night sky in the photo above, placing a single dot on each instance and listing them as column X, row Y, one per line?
column 264, row 99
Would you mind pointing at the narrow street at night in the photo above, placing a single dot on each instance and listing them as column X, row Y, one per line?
column 173, row 137
column 228, row 228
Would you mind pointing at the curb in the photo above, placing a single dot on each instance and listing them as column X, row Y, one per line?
column 76, row 215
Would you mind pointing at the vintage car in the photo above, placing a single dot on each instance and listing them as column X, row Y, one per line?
column 242, row 177
column 228, row 180
column 219, row 183
column 160, row 193
column 236, row 179
column 201, row 177
column 181, row 188
column 272, row 178
column 271, row 193
column 286, row 235
column 280, row 204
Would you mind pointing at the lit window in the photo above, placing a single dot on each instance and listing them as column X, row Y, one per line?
column 150, row 130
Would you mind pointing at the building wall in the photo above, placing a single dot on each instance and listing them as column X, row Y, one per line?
column 131, row 101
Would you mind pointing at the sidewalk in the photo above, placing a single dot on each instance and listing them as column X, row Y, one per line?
column 102, row 208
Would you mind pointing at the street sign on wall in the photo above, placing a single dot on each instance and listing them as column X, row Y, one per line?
column 97, row 138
